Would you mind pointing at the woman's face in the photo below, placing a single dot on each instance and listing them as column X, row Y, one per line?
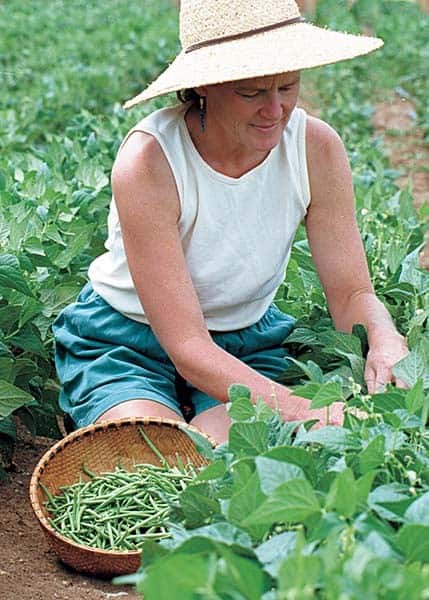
column 252, row 112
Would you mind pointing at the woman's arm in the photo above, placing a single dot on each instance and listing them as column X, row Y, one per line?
column 148, row 207
column 339, row 256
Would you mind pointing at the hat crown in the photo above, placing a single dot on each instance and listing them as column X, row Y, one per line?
column 203, row 20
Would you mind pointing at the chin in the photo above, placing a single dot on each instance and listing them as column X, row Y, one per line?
column 267, row 145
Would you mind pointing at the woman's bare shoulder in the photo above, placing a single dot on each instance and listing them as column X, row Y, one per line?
column 320, row 136
column 324, row 147
column 140, row 154
column 141, row 173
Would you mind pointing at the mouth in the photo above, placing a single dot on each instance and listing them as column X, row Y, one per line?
column 266, row 128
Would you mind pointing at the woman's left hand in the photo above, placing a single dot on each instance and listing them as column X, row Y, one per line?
column 380, row 361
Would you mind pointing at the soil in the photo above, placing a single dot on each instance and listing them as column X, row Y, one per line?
column 29, row 570
column 395, row 121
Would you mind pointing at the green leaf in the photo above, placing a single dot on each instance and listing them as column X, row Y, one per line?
column 415, row 397
column 220, row 533
column 73, row 249
column 311, row 369
column 377, row 544
column 301, row 335
column 237, row 391
column 367, row 522
column 202, row 444
column 30, row 309
column 388, row 401
column 272, row 552
column 412, row 368
column 52, row 233
column 342, row 495
column 393, row 438
column 273, row 473
column 357, row 364
column 335, row 439
column 12, row 398
column 152, row 553
column 34, row 245
column 11, row 276
column 321, row 394
column 240, row 577
column 292, row 502
column 329, row 524
column 296, row 456
column 7, row 365
column 299, row 575
column 176, row 577
column 410, row 271
column 373, row 455
column 413, row 541
column 92, row 175
column 338, row 342
column 245, row 502
column 418, row 511
column 215, row 470
column 29, row 340
column 241, row 410
column 55, row 299
column 262, row 411
column 390, row 501
column 241, row 471
column 8, row 428
column 3, row 181
column 197, row 505
column 394, row 256
column 248, row 439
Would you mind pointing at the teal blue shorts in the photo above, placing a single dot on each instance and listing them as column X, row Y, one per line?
column 104, row 358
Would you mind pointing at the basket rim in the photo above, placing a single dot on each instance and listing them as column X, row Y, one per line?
column 70, row 438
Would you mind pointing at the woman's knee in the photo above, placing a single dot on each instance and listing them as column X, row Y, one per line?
column 215, row 422
column 139, row 408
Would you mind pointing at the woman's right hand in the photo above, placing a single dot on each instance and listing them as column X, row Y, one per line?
column 296, row 408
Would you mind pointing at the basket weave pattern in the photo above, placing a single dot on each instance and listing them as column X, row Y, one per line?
column 201, row 20
column 102, row 447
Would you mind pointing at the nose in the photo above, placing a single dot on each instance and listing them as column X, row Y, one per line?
column 272, row 108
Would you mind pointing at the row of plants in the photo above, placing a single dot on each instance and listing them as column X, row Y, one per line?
column 64, row 70
column 286, row 512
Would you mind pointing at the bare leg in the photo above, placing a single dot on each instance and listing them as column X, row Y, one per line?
column 139, row 408
column 215, row 422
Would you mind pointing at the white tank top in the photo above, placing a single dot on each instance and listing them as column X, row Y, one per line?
column 236, row 233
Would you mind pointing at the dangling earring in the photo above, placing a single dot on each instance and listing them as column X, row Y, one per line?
column 203, row 112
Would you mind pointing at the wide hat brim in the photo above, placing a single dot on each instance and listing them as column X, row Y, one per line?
column 292, row 48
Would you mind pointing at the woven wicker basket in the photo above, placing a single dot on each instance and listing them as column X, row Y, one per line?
column 102, row 447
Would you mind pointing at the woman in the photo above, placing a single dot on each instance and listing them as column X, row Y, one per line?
column 207, row 199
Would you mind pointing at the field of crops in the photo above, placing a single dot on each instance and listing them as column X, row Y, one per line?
column 332, row 513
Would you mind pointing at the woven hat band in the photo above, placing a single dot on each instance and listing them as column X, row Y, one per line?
column 202, row 20
column 244, row 34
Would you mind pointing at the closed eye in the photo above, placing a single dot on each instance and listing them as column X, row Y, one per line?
column 258, row 92
column 249, row 94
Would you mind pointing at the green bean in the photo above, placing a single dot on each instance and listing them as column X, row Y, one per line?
column 46, row 492
column 154, row 449
column 118, row 510
column 88, row 471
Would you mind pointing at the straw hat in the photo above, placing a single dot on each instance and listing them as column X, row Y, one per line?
column 227, row 40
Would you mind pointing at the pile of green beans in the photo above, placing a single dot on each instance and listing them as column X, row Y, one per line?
column 118, row 510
